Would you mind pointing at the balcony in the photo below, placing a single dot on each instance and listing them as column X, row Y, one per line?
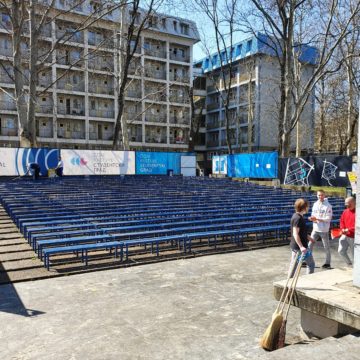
column 71, row 111
column 44, row 128
column 5, row 78
column 212, row 143
column 135, row 94
column 5, row 131
column 159, row 118
column 102, row 113
column 154, row 48
column 101, row 89
column 44, row 81
column 183, row 78
column 178, row 136
column 6, row 51
column 213, row 124
column 179, row 54
column 101, row 41
column 155, row 74
column 8, row 126
column 67, row 85
column 5, row 22
column 135, row 67
column 70, row 59
column 7, row 106
column 155, row 139
column 102, row 65
column 70, row 35
column 212, row 106
column 135, row 133
column 44, row 109
column 101, row 131
column 212, row 88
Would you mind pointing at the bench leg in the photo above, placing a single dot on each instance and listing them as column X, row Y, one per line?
column 86, row 258
column 121, row 252
column 157, row 249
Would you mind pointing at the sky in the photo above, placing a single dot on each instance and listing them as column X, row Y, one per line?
column 176, row 8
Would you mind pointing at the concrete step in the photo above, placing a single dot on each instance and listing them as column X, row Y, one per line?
column 331, row 348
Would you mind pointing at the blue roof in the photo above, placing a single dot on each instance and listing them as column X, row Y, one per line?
column 260, row 44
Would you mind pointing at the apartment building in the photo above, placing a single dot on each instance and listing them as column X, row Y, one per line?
column 253, row 98
column 76, row 106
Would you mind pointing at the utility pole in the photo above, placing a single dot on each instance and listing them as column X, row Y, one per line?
column 356, row 269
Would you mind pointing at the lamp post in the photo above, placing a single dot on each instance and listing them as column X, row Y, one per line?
column 356, row 270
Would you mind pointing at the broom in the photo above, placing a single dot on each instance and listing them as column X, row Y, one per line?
column 288, row 298
column 270, row 338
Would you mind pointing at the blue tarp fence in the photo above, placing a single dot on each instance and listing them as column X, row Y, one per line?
column 256, row 165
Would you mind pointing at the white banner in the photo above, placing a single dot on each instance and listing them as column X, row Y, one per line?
column 188, row 165
column 219, row 164
column 188, row 161
column 98, row 162
column 8, row 166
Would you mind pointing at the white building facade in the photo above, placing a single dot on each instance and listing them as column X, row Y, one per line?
column 77, row 102
column 255, row 81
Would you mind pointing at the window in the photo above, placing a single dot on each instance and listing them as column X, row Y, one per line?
column 93, row 104
column 184, row 29
column 238, row 50
column 175, row 25
column 43, row 99
column 248, row 46
column 163, row 22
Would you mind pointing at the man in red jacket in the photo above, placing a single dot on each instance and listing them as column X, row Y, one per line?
column 347, row 226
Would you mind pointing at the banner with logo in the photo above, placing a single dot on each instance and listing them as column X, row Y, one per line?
column 14, row 161
column 219, row 164
column 98, row 162
column 158, row 163
column 317, row 170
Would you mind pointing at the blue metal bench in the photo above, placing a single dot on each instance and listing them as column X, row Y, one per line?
column 83, row 249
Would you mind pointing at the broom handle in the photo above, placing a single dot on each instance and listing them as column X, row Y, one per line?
column 283, row 297
column 293, row 286
column 298, row 264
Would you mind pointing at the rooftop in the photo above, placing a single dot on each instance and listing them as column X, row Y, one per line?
column 255, row 45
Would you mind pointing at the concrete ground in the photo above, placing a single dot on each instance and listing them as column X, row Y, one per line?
column 211, row 307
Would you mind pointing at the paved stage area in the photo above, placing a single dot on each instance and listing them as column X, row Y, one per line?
column 211, row 307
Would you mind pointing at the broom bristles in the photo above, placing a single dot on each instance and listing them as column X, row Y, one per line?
column 282, row 334
column 269, row 340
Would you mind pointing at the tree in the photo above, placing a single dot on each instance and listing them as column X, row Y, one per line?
column 291, row 27
column 133, row 23
column 221, row 15
column 28, row 22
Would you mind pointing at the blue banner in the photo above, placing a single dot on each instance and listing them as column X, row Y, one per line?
column 158, row 163
column 46, row 158
column 256, row 165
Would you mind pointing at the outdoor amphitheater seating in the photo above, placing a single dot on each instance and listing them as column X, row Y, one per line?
column 135, row 214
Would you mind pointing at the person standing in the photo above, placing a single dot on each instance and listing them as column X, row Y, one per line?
column 300, row 240
column 321, row 216
column 347, row 226
column 60, row 167
column 33, row 168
